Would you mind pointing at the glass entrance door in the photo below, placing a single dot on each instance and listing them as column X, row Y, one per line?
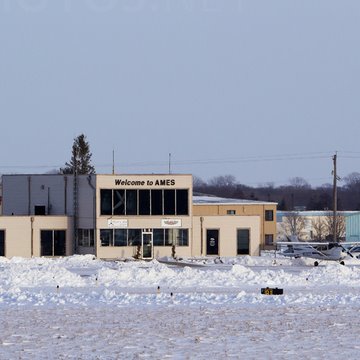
column 147, row 245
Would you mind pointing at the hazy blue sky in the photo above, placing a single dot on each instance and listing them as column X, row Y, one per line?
column 263, row 90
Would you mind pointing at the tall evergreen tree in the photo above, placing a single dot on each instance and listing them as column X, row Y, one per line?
column 80, row 158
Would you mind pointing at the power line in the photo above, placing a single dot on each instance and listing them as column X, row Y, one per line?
column 228, row 160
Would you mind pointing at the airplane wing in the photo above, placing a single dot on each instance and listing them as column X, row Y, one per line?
column 317, row 250
column 303, row 243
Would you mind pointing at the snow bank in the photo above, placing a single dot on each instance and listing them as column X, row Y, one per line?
column 84, row 280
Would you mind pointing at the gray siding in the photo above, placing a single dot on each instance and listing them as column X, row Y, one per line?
column 21, row 193
column 15, row 195
column 353, row 227
column 86, row 201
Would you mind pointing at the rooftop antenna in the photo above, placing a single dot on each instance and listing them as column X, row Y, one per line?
column 113, row 162
column 169, row 163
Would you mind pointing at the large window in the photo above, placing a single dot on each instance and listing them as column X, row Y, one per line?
column 119, row 202
column 132, row 237
column 131, row 202
column 120, row 237
column 53, row 242
column 154, row 202
column 85, row 237
column 169, row 237
column 182, row 202
column 106, row 237
column 169, row 202
column 106, row 202
column 2, row 242
column 158, row 237
column 144, row 202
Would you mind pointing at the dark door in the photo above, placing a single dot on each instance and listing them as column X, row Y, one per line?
column 2, row 243
column 46, row 242
column 59, row 243
column 53, row 242
column 243, row 242
column 212, row 242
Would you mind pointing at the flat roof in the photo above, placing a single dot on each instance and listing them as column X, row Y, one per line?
column 213, row 200
column 281, row 213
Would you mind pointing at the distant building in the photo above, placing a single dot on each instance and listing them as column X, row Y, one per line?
column 314, row 225
column 120, row 216
column 353, row 227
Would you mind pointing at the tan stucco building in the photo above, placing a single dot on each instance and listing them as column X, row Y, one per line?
column 120, row 216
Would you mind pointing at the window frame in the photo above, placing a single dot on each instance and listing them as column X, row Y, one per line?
column 53, row 232
column 158, row 202
column 269, row 215
column 267, row 236
column 248, row 239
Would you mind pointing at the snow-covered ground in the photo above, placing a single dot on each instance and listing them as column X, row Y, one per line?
column 83, row 308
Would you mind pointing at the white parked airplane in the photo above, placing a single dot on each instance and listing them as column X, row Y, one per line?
column 334, row 251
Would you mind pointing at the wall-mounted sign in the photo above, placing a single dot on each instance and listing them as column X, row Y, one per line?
column 170, row 223
column 147, row 182
column 117, row 223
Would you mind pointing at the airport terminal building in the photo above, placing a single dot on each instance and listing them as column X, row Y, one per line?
column 120, row 216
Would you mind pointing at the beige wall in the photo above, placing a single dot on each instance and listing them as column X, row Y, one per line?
column 266, row 227
column 21, row 231
column 228, row 226
column 141, row 222
column 157, row 181
column 130, row 251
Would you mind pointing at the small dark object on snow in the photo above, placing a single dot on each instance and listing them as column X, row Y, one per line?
column 272, row 291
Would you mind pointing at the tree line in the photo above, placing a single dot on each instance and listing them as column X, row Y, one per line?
column 297, row 195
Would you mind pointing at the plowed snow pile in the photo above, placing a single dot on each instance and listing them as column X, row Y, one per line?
column 83, row 308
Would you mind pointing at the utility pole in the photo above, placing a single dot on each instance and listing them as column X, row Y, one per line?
column 334, row 199
column 76, row 206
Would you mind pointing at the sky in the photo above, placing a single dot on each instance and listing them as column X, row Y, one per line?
column 262, row 90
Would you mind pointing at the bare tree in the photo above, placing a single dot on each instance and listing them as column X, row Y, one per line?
column 352, row 180
column 299, row 183
column 340, row 226
column 198, row 182
column 319, row 228
column 294, row 224
column 223, row 181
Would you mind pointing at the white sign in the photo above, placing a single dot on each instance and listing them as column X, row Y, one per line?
column 117, row 223
column 171, row 222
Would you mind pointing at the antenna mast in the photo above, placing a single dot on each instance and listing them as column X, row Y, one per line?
column 169, row 163
column 113, row 162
